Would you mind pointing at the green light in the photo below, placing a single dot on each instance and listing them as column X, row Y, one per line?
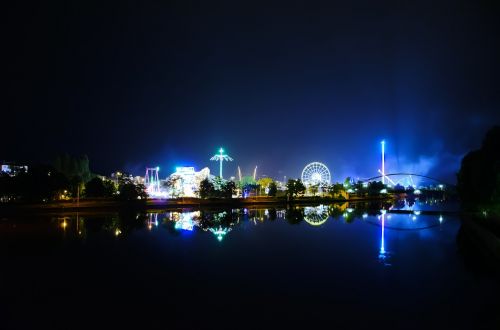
column 221, row 157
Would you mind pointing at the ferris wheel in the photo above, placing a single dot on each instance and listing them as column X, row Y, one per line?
column 316, row 174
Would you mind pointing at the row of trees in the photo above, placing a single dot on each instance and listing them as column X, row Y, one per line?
column 70, row 177
column 40, row 183
column 294, row 188
column 217, row 189
column 125, row 189
column 262, row 187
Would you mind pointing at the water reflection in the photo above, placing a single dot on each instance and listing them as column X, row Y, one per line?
column 220, row 223
column 153, row 220
column 316, row 216
column 424, row 203
column 220, row 232
column 383, row 256
column 367, row 254
column 186, row 220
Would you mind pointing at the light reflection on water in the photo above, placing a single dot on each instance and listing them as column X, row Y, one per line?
column 425, row 204
column 347, row 256
column 221, row 223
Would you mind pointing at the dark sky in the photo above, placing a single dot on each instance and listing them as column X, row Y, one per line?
column 277, row 84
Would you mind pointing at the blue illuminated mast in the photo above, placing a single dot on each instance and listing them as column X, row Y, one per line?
column 220, row 157
column 383, row 161
column 382, row 172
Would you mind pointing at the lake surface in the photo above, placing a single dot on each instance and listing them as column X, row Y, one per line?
column 341, row 266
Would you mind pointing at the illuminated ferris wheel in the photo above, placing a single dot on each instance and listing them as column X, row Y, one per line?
column 316, row 174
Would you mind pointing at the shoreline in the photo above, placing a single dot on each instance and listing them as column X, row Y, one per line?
column 109, row 206
column 155, row 204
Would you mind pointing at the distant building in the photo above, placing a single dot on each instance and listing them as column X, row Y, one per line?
column 138, row 179
column 13, row 169
column 119, row 176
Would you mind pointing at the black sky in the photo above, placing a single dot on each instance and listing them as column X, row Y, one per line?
column 279, row 85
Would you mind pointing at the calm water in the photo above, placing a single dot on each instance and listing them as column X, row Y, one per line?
column 327, row 266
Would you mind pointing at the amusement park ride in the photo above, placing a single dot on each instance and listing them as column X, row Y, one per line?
column 313, row 174
column 152, row 181
column 254, row 173
column 316, row 173
column 401, row 178
column 220, row 157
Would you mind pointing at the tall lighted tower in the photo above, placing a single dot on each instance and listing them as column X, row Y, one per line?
column 220, row 157
column 383, row 160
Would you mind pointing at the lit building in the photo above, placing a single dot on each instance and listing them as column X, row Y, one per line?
column 185, row 181
column 13, row 169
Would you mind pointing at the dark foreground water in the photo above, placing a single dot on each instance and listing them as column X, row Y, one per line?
column 323, row 267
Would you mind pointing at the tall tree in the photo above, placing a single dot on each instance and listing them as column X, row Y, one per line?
column 295, row 188
column 264, row 182
column 273, row 189
column 74, row 167
column 336, row 189
column 314, row 189
column 479, row 175
column 132, row 192
column 228, row 189
column 99, row 188
column 207, row 189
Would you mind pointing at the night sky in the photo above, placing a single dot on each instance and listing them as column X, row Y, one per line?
column 277, row 84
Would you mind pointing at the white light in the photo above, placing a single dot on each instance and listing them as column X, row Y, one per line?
column 383, row 161
column 315, row 173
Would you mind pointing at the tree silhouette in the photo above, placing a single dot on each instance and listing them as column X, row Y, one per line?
column 273, row 189
column 295, row 188
column 479, row 175
column 206, row 189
